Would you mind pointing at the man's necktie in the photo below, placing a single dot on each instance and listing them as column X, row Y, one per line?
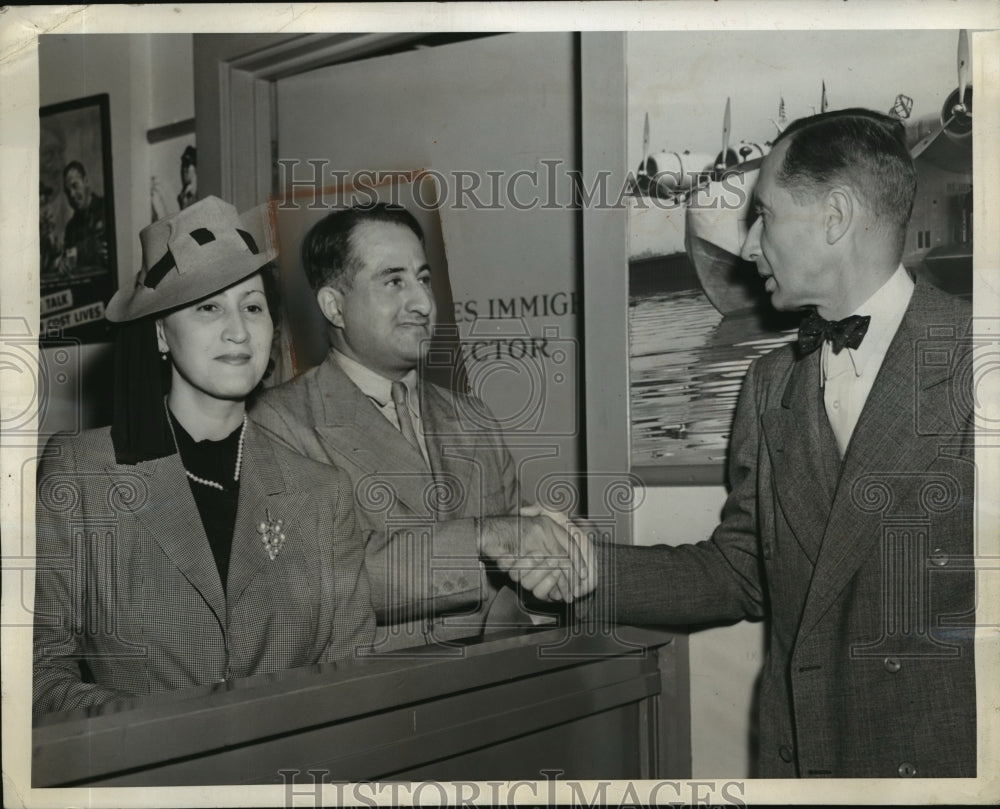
column 848, row 332
column 399, row 395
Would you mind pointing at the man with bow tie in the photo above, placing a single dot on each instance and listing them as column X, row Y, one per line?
column 849, row 524
column 435, row 488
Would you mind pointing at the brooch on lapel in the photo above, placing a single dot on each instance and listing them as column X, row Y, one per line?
column 271, row 535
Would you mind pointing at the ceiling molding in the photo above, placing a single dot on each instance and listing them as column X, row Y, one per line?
column 311, row 51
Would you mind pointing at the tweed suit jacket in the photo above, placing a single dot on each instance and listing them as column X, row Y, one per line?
column 128, row 596
column 422, row 552
column 862, row 567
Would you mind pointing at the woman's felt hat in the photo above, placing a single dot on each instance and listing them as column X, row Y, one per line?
column 195, row 253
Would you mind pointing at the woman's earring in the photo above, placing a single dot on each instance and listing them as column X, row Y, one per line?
column 163, row 356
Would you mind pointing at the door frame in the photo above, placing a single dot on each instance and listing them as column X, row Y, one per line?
column 235, row 77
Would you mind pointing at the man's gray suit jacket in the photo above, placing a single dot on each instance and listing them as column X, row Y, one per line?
column 422, row 552
column 863, row 567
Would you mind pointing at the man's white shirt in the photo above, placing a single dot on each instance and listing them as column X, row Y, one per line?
column 847, row 377
column 379, row 389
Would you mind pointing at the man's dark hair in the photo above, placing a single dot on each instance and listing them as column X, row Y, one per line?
column 272, row 291
column 328, row 252
column 74, row 165
column 189, row 157
column 861, row 148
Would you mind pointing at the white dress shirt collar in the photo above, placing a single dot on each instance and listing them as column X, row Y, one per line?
column 886, row 308
column 375, row 386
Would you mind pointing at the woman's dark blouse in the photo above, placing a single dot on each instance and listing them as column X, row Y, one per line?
column 213, row 460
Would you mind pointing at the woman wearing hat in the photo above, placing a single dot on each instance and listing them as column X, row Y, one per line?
column 181, row 546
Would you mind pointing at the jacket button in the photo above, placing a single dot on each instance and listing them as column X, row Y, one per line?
column 892, row 664
column 906, row 770
column 786, row 753
column 939, row 557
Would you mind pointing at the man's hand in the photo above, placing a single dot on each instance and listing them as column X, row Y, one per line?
column 541, row 553
column 582, row 550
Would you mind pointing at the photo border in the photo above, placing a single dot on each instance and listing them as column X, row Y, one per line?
column 19, row 307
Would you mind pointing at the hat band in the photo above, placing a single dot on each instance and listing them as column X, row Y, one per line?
column 201, row 235
column 159, row 270
column 249, row 240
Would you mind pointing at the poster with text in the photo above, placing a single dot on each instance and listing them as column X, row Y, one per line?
column 78, row 270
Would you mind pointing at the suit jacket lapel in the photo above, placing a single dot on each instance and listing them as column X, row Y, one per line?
column 454, row 451
column 884, row 443
column 366, row 441
column 439, row 427
column 261, row 484
column 170, row 515
column 801, row 477
column 444, row 432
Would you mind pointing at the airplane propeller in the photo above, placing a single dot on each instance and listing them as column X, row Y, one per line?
column 645, row 143
column 727, row 157
column 959, row 108
column 963, row 72
column 726, row 124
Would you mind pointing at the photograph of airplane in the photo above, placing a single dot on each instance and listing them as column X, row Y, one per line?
column 698, row 313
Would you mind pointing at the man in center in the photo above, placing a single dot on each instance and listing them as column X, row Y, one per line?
column 438, row 500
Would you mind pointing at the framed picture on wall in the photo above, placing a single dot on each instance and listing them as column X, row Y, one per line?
column 78, row 270
column 173, row 168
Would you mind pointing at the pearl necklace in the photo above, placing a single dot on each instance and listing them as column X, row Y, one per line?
column 204, row 481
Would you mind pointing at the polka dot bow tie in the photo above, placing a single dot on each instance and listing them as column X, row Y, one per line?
column 848, row 332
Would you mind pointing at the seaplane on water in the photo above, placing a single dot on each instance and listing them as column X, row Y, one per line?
column 663, row 187
column 939, row 239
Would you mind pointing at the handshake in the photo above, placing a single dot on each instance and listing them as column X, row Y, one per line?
column 543, row 551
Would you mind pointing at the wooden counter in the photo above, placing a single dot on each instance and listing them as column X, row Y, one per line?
column 511, row 707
